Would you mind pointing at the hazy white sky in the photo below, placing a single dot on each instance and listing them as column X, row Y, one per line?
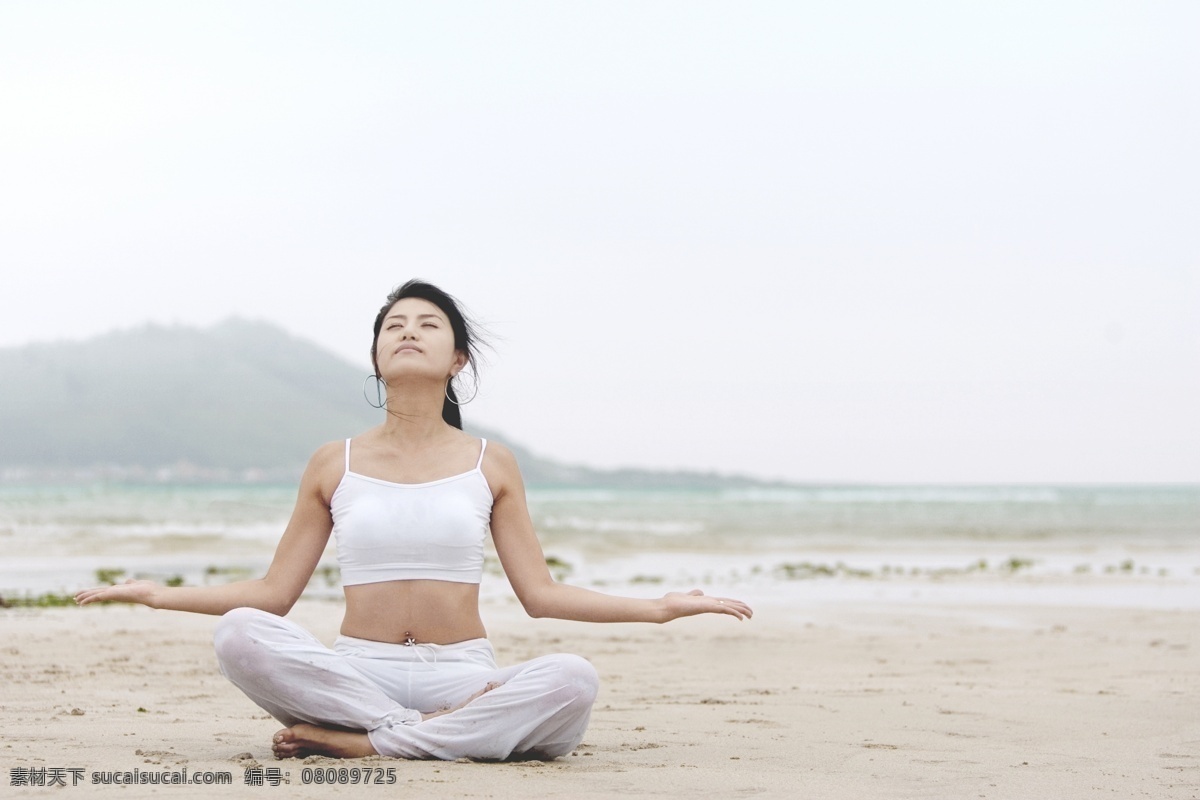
column 877, row 241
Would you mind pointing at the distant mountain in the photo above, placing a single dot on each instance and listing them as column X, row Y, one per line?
column 238, row 395
column 239, row 398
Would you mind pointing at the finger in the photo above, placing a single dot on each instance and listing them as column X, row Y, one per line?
column 724, row 606
column 93, row 596
column 738, row 604
column 85, row 595
column 735, row 607
column 104, row 594
column 696, row 592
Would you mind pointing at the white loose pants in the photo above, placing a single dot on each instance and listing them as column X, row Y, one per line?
column 540, row 710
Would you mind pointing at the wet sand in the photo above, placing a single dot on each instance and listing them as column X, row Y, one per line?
column 840, row 699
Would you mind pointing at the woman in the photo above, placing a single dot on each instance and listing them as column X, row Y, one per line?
column 409, row 503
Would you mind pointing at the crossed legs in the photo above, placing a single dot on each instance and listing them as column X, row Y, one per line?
column 359, row 701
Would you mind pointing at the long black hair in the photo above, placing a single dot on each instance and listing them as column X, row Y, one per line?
column 466, row 335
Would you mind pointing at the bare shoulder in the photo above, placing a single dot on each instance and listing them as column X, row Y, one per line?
column 329, row 454
column 499, row 458
column 500, row 469
column 325, row 469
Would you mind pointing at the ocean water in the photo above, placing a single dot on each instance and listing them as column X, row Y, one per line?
column 818, row 544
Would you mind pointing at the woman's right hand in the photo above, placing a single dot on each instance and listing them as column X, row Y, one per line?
column 131, row 591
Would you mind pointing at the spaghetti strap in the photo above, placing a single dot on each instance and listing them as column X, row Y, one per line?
column 482, row 447
column 347, row 455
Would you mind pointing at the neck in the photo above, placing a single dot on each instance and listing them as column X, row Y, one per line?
column 414, row 413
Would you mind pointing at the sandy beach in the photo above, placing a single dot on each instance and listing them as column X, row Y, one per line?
column 837, row 699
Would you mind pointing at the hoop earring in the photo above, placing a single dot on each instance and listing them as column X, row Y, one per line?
column 380, row 397
column 469, row 399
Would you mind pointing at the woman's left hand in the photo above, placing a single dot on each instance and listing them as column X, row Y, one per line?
column 687, row 604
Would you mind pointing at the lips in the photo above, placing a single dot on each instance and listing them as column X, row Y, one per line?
column 404, row 347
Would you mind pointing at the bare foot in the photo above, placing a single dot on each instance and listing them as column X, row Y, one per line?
column 303, row 740
column 473, row 697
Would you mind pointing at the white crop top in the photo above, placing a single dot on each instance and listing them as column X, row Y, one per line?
column 388, row 531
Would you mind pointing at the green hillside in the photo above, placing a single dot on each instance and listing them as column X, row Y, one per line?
column 235, row 397
column 238, row 395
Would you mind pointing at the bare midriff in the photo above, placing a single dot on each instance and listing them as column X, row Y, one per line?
column 425, row 611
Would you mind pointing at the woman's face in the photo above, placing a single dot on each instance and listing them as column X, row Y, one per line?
column 416, row 340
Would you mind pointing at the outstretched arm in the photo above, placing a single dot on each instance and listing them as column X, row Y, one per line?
column 295, row 559
column 521, row 556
